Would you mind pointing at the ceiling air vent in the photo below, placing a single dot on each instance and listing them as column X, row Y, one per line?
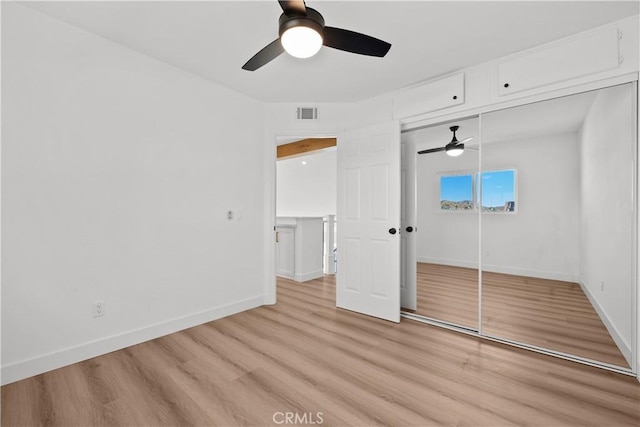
column 307, row 113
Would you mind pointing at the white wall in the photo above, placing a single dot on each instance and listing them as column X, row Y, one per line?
column 309, row 188
column 117, row 173
column 606, row 222
column 540, row 239
column 281, row 121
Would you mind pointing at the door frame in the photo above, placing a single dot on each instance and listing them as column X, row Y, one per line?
column 275, row 139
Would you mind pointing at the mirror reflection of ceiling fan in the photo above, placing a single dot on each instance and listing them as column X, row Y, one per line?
column 453, row 148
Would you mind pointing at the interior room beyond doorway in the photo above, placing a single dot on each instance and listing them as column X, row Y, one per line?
column 306, row 176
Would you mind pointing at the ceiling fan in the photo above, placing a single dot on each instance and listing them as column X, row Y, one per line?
column 453, row 148
column 302, row 34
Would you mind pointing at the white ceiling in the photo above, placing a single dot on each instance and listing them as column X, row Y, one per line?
column 213, row 39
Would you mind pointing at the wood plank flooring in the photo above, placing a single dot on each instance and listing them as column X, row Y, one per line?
column 546, row 313
column 303, row 356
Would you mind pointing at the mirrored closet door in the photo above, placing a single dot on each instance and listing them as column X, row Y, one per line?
column 447, row 223
column 557, row 224
column 532, row 227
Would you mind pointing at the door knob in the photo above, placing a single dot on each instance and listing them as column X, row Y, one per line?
column 392, row 231
column 409, row 229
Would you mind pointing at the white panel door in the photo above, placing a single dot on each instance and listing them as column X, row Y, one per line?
column 368, row 279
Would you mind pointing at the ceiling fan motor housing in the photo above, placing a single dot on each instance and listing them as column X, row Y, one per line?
column 454, row 145
column 454, row 129
column 312, row 19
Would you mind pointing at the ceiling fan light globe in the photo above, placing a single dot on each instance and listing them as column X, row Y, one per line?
column 301, row 41
column 455, row 151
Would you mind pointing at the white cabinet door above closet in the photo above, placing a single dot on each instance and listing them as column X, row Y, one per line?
column 437, row 95
column 577, row 57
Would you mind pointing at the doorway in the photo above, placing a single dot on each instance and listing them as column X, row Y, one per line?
column 305, row 212
column 368, row 267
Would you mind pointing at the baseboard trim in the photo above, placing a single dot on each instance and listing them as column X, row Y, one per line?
column 549, row 275
column 449, row 262
column 47, row 362
column 624, row 348
column 308, row 276
column 501, row 269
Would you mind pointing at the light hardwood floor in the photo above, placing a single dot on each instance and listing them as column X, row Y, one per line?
column 545, row 313
column 305, row 356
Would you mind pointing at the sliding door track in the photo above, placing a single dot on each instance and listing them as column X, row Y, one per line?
column 536, row 349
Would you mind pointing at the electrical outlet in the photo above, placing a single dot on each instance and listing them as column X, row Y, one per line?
column 99, row 308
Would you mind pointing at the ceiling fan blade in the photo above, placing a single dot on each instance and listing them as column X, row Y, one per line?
column 267, row 54
column 431, row 150
column 353, row 42
column 465, row 140
column 293, row 7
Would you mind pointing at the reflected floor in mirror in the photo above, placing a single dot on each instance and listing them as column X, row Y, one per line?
column 551, row 314
column 448, row 293
column 546, row 313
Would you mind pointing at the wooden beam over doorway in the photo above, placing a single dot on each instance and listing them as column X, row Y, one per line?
column 304, row 146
